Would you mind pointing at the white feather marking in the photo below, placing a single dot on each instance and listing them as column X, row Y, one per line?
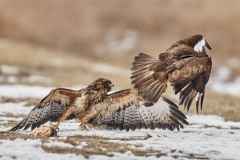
column 199, row 46
column 198, row 95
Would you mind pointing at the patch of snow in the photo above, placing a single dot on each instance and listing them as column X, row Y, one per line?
column 2, row 118
column 219, row 83
column 30, row 149
column 215, row 140
column 58, row 144
column 212, row 120
column 12, row 79
column 25, row 91
column 207, row 137
column 6, row 69
column 14, row 108
column 36, row 78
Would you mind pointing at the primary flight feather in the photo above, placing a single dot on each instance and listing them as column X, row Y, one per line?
column 185, row 65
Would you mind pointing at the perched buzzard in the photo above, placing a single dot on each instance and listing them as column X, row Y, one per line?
column 185, row 66
column 60, row 103
column 127, row 110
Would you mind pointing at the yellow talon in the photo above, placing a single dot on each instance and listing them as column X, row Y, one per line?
column 55, row 125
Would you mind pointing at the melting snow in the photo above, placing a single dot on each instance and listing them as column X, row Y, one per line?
column 206, row 136
column 6, row 69
column 25, row 91
column 219, row 83
column 14, row 108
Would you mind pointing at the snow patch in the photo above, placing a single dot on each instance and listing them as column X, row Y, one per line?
column 35, row 78
column 212, row 120
column 30, row 149
column 14, row 108
column 25, row 91
column 6, row 69
column 218, row 82
column 58, row 144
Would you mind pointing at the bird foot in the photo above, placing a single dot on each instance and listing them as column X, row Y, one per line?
column 85, row 127
column 55, row 125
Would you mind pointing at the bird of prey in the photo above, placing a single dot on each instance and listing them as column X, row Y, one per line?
column 60, row 103
column 127, row 110
column 185, row 66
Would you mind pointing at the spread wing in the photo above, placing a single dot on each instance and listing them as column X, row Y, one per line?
column 126, row 110
column 49, row 108
column 189, row 74
column 190, row 78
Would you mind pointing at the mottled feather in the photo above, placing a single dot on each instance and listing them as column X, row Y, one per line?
column 127, row 110
column 186, row 69
column 61, row 103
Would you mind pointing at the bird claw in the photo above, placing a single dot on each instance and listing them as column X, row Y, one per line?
column 55, row 126
column 85, row 127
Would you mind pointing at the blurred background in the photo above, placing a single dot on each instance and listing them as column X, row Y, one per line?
column 65, row 43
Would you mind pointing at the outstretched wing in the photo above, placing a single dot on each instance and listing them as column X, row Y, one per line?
column 49, row 108
column 190, row 80
column 126, row 110
column 195, row 88
column 188, row 73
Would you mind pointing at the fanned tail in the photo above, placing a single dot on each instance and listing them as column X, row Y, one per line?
column 149, row 84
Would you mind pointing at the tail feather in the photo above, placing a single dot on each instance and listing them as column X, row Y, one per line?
column 149, row 85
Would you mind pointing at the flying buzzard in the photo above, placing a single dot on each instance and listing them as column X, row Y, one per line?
column 185, row 65
column 126, row 109
column 60, row 103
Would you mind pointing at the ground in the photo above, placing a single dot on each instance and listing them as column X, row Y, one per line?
column 207, row 137
column 213, row 134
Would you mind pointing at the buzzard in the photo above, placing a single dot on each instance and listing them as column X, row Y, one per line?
column 185, row 66
column 124, row 109
column 60, row 103
column 127, row 110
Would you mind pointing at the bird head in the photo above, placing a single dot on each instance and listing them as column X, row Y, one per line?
column 197, row 42
column 101, row 84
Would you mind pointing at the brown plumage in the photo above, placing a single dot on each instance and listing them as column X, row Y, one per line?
column 127, row 110
column 60, row 103
column 185, row 66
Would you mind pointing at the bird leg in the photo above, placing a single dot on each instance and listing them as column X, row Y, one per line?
column 64, row 116
column 91, row 113
column 84, row 121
